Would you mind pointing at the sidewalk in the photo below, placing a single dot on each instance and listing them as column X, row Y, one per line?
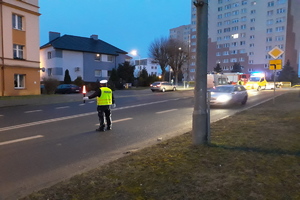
column 59, row 98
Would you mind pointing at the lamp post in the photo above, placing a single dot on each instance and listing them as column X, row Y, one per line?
column 135, row 53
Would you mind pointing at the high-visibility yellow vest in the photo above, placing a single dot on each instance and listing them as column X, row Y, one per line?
column 105, row 98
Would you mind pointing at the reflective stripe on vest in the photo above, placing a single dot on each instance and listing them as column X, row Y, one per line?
column 105, row 98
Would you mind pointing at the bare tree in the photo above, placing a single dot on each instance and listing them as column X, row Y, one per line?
column 177, row 56
column 158, row 51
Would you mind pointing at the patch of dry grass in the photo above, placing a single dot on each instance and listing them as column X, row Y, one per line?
column 253, row 155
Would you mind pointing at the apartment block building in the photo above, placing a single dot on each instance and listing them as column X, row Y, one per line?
column 245, row 31
column 146, row 63
column 19, row 48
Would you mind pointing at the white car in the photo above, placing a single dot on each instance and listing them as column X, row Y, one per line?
column 162, row 86
column 228, row 94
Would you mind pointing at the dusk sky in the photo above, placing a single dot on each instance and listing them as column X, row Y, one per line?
column 126, row 24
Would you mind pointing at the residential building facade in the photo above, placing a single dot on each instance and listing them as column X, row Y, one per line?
column 19, row 48
column 89, row 58
column 244, row 31
column 146, row 63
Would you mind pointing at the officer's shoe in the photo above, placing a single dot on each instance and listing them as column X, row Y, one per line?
column 108, row 128
column 101, row 129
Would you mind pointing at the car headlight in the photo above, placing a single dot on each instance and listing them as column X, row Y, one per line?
column 224, row 98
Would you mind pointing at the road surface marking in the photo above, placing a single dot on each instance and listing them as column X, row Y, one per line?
column 32, row 111
column 1, row 115
column 119, row 120
column 63, row 107
column 21, row 140
column 75, row 116
column 165, row 111
column 45, row 121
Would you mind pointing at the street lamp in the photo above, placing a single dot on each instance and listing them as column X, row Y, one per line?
column 135, row 53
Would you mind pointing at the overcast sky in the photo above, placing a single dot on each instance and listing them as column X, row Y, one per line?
column 126, row 24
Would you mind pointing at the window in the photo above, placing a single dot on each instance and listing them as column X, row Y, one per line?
column 227, row 6
column 98, row 73
column 109, row 58
column 281, row 1
column 252, row 28
column 17, row 22
column 242, row 42
column 251, row 53
column 270, row 21
column 270, row 12
column 253, row 11
column 280, row 20
column 19, row 81
column 235, row 28
column 49, row 55
column 268, row 48
column 269, row 39
column 250, row 70
column 269, row 30
column 251, row 45
column 252, row 36
column 226, row 45
column 243, row 10
column 49, row 71
column 235, row 12
column 279, row 38
column 244, row 2
column 219, row 31
column 243, row 19
column 252, row 20
column 271, row 3
column 18, row 51
column 219, row 8
column 280, row 10
column 280, row 29
column 98, row 57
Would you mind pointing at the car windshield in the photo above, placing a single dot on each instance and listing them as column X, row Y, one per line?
column 254, row 78
column 222, row 89
column 156, row 83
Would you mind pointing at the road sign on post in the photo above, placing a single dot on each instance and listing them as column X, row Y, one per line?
column 276, row 52
column 275, row 64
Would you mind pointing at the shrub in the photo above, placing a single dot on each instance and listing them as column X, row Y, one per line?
column 50, row 85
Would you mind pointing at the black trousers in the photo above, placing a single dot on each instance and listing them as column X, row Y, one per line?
column 104, row 111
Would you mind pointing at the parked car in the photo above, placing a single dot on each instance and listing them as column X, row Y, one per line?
column 67, row 89
column 228, row 94
column 162, row 86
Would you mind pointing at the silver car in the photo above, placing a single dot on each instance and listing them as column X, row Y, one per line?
column 162, row 86
column 228, row 94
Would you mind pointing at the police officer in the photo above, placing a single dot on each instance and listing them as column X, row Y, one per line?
column 105, row 99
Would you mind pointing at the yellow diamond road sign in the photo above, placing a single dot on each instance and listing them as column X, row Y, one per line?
column 276, row 52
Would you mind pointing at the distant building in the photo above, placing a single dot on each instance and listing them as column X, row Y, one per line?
column 245, row 31
column 90, row 58
column 146, row 63
column 19, row 48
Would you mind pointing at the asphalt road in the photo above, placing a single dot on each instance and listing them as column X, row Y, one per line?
column 41, row 145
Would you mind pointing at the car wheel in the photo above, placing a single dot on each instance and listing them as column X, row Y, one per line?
column 163, row 90
column 153, row 90
column 244, row 100
column 174, row 88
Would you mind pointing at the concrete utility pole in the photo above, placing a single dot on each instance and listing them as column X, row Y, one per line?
column 200, row 114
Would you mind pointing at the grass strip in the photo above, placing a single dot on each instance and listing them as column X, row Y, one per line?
column 254, row 154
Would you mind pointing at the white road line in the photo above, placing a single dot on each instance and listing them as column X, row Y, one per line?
column 45, row 121
column 1, row 115
column 119, row 120
column 165, row 111
column 63, row 107
column 74, row 116
column 21, row 140
column 32, row 111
